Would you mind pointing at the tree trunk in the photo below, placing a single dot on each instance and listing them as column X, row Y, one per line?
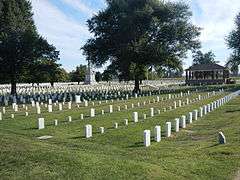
column 52, row 84
column 13, row 80
column 136, row 85
column 13, row 87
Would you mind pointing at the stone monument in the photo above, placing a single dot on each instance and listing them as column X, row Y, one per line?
column 90, row 75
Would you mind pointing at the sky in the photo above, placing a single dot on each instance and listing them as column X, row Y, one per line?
column 63, row 24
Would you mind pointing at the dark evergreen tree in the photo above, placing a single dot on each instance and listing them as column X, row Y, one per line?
column 20, row 44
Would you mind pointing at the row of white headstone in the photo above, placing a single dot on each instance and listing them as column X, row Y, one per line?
column 179, row 104
column 74, row 91
column 92, row 111
column 42, row 89
column 50, row 109
column 88, row 128
column 181, row 122
column 92, row 114
column 50, row 104
column 135, row 114
column 41, row 122
column 147, row 138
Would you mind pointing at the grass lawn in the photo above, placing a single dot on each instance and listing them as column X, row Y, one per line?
column 192, row 153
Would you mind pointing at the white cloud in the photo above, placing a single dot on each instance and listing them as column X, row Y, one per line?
column 217, row 20
column 216, row 17
column 62, row 31
column 78, row 5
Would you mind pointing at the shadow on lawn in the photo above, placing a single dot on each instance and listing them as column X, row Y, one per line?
column 77, row 137
column 83, row 136
column 139, row 144
column 136, row 145
column 214, row 145
column 30, row 128
column 232, row 111
column 46, row 125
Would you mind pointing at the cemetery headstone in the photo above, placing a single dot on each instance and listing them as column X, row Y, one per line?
column 147, row 138
column 92, row 112
column 55, row 122
column 41, row 123
column 157, row 131
column 88, row 131
column 177, row 124
column 168, row 129
column 221, row 138
column 126, row 121
column 151, row 112
column 135, row 117
column 183, row 122
column 101, row 130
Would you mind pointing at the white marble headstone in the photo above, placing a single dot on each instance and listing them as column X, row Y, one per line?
column 92, row 112
column 147, row 138
column 88, row 131
column 168, row 129
column 135, row 117
column 157, row 131
column 41, row 123
column 177, row 124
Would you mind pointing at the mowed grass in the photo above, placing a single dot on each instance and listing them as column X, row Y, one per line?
column 192, row 153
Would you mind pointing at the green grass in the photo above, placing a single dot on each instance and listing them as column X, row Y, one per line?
column 192, row 153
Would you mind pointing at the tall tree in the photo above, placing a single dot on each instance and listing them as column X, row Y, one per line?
column 138, row 34
column 204, row 58
column 47, row 70
column 20, row 44
column 62, row 75
column 79, row 74
column 107, row 75
column 233, row 42
column 233, row 64
column 98, row 76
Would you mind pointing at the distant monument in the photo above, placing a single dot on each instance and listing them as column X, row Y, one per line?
column 90, row 75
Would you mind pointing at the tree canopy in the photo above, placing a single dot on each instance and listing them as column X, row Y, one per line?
column 233, row 63
column 21, row 47
column 98, row 76
column 233, row 42
column 46, row 70
column 78, row 75
column 204, row 58
column 135, row 34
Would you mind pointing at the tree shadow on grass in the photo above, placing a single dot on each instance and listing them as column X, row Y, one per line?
column 36, row 128
column 31, row 128
column 232, row 111
column 214, row 145
column 77, row 137
column 83, row 136
column 136, row 145
column 140, row 143
column 110, row 128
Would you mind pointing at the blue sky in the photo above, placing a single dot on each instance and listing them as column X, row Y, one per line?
column 63, row 23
